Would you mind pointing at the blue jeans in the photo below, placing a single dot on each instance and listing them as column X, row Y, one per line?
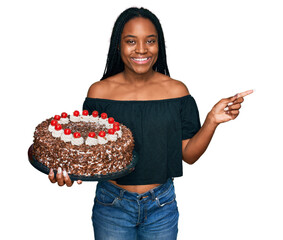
column 122, row 215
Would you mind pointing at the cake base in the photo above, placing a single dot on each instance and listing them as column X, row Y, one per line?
column 98, row 177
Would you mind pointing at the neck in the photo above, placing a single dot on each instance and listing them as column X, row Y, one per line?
column 134, row 78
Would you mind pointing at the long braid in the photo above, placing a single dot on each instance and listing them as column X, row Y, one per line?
column 114, row 63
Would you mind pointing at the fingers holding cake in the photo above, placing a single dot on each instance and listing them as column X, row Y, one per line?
column 61, row 178
column 51, row 176
column 67, row 179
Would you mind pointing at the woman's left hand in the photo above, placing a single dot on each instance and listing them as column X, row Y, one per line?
column 227, row 108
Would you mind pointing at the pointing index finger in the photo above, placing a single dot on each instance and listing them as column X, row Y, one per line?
column 243, row 94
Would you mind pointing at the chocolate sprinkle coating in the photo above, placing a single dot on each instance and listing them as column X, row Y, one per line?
column 83, row 160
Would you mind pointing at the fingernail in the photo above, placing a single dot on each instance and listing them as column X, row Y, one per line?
column 230, row 103
column 225, row 109
column 59, row 170
column 64, row 173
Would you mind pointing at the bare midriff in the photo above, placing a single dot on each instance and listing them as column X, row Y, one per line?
column 136, row 188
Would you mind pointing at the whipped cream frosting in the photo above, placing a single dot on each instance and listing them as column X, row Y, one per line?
column 102, row 140
column 112, row 137
column 119, row 133
column 75, row 119
column 103, row 121
column 91, row 141
column 56, row 133
column 93, row 119
column 109, row 125
column 77, row 141
column 51, row 128
column 85, row 118
column 64, row 120
column 66, row 138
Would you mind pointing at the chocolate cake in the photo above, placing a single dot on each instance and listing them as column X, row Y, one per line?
column 83, row 144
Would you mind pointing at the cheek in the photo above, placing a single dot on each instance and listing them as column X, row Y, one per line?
column 126, row 50
column 122, row 54
column 155, row 52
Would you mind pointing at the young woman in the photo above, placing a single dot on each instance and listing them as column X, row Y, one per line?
column 137, row 90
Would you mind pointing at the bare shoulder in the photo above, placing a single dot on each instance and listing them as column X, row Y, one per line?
column 96, row 89
column 100, row 89
column 176, row 88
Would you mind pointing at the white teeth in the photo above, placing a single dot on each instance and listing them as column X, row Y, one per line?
column 140, row 59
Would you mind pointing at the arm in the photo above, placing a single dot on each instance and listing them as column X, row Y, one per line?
column 225, row 110
column 193, row 148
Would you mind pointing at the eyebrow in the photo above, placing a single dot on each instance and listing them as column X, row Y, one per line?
column 133, row 36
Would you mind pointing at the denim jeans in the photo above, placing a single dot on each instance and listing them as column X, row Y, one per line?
column 122, row 215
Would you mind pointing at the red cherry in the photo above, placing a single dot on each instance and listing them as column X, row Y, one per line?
column 57, row 117
column 85, row 112
column 94, row 113
column 76, row 113
column 116, row 124
column 67, row 131
column 116, row 128
column 111, row 120
column 53, row 122
column 91, row 134
column 103, row 115
column 102, row 134
column 64, row 115
column 58, row 127
column 111, row 131
column 77, row 135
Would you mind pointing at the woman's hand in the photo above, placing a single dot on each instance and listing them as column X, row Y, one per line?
column 61, row 178
column 227, row 108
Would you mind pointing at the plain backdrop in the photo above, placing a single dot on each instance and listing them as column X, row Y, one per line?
column 52, row 51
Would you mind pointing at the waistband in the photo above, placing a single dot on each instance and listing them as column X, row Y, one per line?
column 122, row 193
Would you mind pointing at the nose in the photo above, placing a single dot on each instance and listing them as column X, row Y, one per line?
column 141, row 48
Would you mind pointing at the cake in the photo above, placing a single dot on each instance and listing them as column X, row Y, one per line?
column 83, row 144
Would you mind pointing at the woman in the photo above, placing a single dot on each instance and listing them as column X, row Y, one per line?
column 137, row 90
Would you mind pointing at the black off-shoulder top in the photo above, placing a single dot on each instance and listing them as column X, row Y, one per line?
column 158, row 128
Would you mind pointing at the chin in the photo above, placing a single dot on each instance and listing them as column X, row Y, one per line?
column 142, row 70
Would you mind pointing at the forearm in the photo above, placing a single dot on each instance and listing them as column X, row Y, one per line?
column 197, row 145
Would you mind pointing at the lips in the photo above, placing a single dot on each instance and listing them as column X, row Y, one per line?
column 141, row 60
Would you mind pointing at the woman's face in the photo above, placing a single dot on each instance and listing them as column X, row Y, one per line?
column 139, row 45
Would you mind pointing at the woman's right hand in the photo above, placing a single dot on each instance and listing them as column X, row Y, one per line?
column 61, row 178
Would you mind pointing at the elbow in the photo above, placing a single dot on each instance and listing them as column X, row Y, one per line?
column 190, row 161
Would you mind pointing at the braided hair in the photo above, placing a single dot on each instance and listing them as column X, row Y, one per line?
column 114, row 63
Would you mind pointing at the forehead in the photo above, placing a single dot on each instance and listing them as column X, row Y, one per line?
column 139, row 26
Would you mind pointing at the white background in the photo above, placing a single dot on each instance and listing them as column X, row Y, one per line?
column 52, row 51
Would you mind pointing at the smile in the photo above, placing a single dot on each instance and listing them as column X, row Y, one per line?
column 141, row 60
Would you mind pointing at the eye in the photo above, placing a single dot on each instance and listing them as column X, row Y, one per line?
column 151, row 41
column 131, row 42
